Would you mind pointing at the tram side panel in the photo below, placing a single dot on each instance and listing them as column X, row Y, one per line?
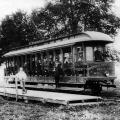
column 100, row 72
column 78, row 73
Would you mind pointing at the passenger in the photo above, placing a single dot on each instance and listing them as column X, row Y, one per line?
column 98, row 55
column 21, row 75
column 80, row 57
column 45, row 60
column 66, row 61
column 106, row 54
column 58, row 72
column 39, row 67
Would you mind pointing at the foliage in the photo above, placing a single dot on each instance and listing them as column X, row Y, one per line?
column 16, row 30
column 58, row 18
column 73, row 16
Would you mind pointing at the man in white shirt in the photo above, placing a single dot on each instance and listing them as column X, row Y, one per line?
column 21, row 75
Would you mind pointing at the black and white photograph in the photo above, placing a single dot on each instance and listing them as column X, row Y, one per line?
column 59, row 60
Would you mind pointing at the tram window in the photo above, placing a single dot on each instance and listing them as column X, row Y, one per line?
column 51, row 58
column 38, row 56
column 28, row 64
column 79, row 54
column 33, row 64
column 20, row 61
column 89, row 54
column 107, row 54
column 39, row 64
column 45, row 59
column 98, row 54
column 11, row 66
column 67, row 55
column 15, row 64
column 23, row 59
column 15, row 61
column 6, row 63
column 57, row 55
column 36, row 59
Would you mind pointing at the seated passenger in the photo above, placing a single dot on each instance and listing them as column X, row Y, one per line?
column 98, row 55
column 45, row 60
column 80, row 57
column 107, row 55
column 66, row 61
column 57, row 61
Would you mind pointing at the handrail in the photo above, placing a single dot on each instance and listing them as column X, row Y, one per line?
column 16, row 87
column 11, row 78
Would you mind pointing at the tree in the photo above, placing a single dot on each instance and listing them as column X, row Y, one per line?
column 17, row 30
column 8, row 32
column 72, row 16
column 45, row 22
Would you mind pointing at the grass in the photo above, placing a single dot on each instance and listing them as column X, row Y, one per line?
column 11, row 110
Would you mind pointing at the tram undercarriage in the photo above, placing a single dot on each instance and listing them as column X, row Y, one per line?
column 94, row 84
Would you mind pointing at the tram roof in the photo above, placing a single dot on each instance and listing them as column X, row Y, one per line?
column 65, row 41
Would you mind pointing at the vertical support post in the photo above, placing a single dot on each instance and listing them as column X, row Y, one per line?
column 37, row 59
column 13, row 65
column 5, row 79
column 35, row 67
column 42, row 65
column 88, row 71
column 48, row 59
column 54, row 55
column 18, row 63
column 16, row 88
column 21, row 60
column 25, row 65
column 74, row 59
column 8, row 66
column 30, row 64
column 84, row 58
column 61, row 52
column 84, row 52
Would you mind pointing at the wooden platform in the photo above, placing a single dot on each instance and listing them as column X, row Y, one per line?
column 50, row 97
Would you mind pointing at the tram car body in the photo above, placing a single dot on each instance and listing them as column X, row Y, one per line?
column 84, row 59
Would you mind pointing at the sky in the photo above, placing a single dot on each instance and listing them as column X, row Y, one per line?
column 7, row 7
column 116, row 10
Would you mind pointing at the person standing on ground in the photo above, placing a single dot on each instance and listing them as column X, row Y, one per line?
column 58, row 73
column 21, row 75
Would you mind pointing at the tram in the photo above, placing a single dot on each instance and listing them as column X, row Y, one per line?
column 84, row 59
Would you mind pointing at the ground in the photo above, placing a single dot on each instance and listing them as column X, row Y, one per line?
column 108, row 110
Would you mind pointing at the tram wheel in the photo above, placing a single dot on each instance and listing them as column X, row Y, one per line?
column 95, row 87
